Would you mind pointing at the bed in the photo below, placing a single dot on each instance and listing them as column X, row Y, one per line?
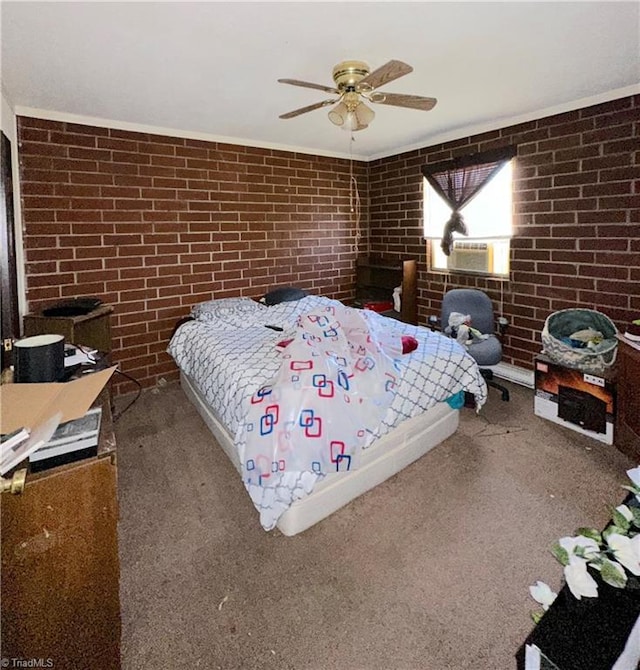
column 235, row 353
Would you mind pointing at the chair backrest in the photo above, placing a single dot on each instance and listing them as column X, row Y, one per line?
column 469, row 301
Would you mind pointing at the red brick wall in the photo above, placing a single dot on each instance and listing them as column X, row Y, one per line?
column 577, row 219
column 153, row 225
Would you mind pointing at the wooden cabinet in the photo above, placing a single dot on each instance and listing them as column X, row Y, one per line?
column 627, row 434
column 60, row 566
column 91, row 330
column 376, row 279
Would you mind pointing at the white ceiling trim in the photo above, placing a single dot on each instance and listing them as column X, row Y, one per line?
column 506, row 122
column 52, row 115
column 466, row 131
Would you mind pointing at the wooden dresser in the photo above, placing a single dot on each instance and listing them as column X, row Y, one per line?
column 60, row 567
column 627, row 433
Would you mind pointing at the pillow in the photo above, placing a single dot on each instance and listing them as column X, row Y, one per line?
column 226, row 309
column 284, row 294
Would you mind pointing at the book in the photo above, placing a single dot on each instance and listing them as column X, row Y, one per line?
column 49, row 451
column 71, row 436
column 86, row 426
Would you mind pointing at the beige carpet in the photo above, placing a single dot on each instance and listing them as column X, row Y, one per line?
column 429, row 571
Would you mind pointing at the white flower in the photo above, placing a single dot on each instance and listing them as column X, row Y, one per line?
column 626, row 550
column 579, row 581
column 542, row 594
column 634, row 475
column 570, row 544
column 625, row 511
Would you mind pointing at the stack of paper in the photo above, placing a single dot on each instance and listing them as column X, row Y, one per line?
column 15, row 447
column 13, row 440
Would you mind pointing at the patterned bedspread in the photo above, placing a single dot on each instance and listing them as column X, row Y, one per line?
column 231, row 354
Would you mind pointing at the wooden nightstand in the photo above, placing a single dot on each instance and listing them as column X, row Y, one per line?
column 91, row 330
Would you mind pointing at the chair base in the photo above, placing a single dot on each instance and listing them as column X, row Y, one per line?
column 488, row 377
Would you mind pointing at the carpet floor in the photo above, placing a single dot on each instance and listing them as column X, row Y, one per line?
column 428, row 571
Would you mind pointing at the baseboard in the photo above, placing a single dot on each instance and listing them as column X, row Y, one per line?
column 513, row 373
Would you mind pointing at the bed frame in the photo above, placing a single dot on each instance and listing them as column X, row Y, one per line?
column 387, row 456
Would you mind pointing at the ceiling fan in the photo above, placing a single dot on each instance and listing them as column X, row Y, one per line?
column 354, row 82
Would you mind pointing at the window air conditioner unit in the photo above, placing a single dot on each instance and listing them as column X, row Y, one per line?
column 470, row 256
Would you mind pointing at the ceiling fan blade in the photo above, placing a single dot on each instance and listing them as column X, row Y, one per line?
column 306, row 84
column 394, row 69
column 401, row 100
column 309, row 108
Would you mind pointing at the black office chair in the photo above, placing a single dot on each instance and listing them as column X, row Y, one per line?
column 478, row 306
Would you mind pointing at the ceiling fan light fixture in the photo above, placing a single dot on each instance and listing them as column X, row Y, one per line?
column 364, row 114
column 358, row 117
column 351, row 117
column 338, row 115
column 352, row 123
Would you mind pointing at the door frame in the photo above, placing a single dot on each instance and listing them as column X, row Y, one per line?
column 10, row 323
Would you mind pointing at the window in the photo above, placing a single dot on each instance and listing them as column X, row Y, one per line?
column 488, row 218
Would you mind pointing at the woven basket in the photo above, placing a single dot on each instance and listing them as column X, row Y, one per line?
column 567, row 321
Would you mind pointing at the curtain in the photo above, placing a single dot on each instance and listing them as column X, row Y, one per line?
column 459, row 180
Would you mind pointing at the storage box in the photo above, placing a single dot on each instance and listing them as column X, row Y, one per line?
column 578, row 400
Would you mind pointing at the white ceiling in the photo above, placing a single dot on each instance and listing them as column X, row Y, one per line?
column 210, row 69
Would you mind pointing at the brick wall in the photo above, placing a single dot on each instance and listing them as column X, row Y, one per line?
column 577, row 219
column 153, row 225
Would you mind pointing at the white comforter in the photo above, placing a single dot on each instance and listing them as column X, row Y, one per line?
column 230, row 354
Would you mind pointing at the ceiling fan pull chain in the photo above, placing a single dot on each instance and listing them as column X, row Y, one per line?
column 351, row 140
column 353, row 188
